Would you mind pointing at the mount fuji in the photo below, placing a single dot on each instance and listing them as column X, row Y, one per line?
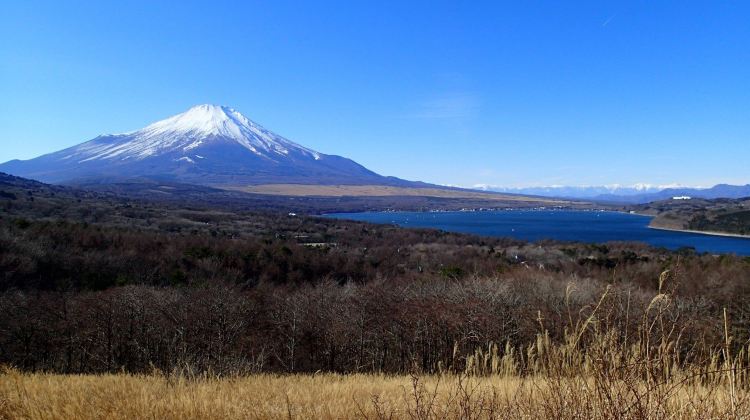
column 207, row 145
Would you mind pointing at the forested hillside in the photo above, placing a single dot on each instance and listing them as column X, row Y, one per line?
column 723, row 215
column 92, row 282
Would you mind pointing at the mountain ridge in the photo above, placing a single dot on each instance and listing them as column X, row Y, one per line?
column 635, row 194
column 206, row 145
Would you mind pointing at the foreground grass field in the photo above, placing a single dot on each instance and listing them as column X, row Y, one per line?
column 330, row 396
column 595, row 371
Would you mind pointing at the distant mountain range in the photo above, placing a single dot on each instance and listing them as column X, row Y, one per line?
column 636, row 194
column 206, row 145
column 214, row 152
column 583, row 192
column 217, row 146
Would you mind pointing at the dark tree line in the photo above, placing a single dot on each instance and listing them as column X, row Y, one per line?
column 381, row 326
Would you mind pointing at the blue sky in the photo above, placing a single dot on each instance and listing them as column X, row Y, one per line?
column 505, row 93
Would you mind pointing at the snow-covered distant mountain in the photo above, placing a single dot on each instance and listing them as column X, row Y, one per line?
column 581, row 192
column 633, row 194
column 207, row 144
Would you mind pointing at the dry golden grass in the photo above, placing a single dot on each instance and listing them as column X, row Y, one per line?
column 330, row 396
column 382, row 191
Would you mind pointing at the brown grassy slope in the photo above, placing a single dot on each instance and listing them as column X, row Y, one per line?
column 383, row 190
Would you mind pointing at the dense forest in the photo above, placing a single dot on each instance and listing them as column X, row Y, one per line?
column 94, row 282
column 723, row 221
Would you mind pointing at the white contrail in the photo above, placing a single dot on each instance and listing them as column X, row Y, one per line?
column 606, row 22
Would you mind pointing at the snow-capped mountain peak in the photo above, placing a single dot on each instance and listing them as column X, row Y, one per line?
column 207, row 144
column 192, row 129
column 206, row 120
column 202, row 120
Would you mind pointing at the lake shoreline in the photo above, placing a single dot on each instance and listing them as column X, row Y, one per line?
column 702, row 232
column 567, row 225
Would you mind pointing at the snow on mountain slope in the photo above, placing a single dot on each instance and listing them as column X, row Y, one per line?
column 207, row 144
column 581, row 192
column 637, row 193
column 189, row 131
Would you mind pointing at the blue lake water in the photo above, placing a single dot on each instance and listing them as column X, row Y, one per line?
column 534, row 225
